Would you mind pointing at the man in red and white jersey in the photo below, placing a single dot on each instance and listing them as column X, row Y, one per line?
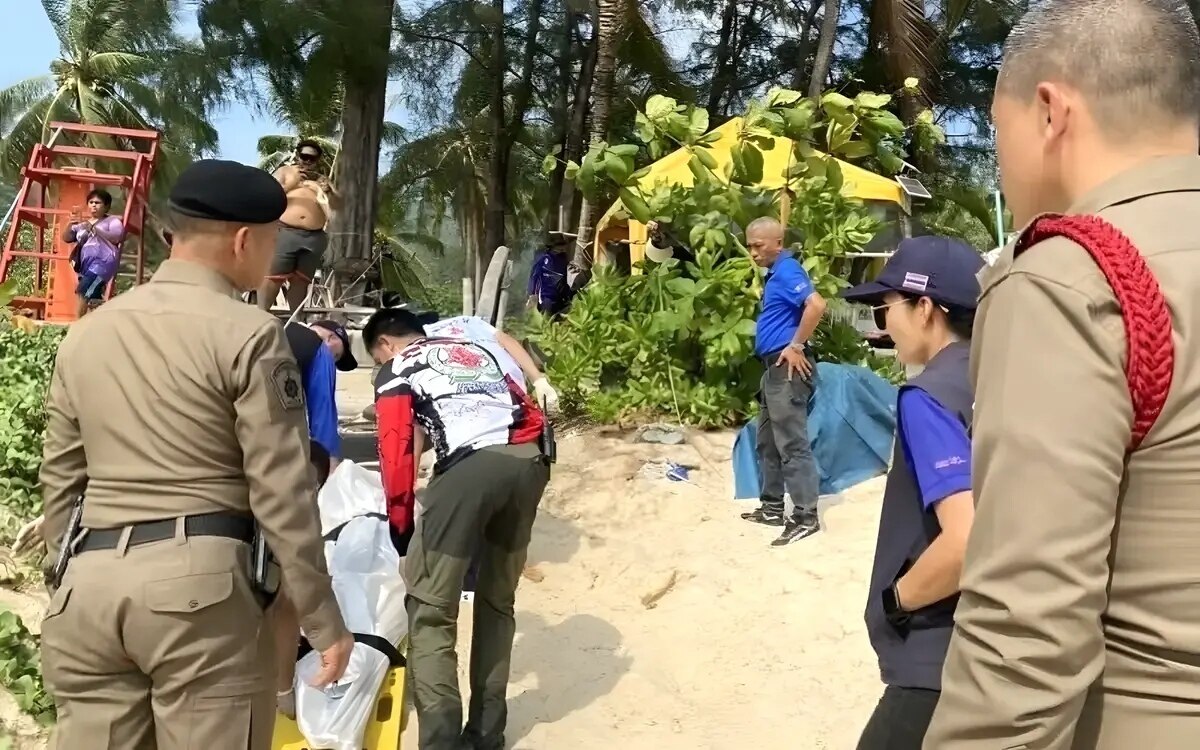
column 494, row 340
column 470, row 402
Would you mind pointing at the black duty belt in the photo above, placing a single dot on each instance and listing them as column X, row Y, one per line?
column 227, row 525
column 377, row 642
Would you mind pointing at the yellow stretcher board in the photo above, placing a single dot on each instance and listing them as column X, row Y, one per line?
column 383, row 731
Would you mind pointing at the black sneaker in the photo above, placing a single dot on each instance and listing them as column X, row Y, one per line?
column 765, row 517
column 798, row 528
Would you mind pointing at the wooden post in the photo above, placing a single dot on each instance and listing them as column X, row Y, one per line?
column 785, row 206
column 468, row 296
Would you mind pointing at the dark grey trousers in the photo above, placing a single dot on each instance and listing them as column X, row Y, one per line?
column 785, row 455
column 483, row 506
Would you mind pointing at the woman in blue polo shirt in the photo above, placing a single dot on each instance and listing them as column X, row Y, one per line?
column 925, row 299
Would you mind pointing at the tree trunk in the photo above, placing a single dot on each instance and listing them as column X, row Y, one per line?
column 607, row 17
column 720, row 79
column 505, row 130
column 577, row 128
column 802, row 73
column 352, row 229
column 562, row 117
column 497, row 193
column 824, row 59
column 895, row 29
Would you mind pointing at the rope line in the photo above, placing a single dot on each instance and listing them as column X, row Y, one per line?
column 1149, row 341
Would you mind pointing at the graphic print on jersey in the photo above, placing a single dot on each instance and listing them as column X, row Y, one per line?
column 463, row 396
column 466, row 366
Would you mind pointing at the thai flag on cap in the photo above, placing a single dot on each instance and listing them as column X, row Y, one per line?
column 918, row 282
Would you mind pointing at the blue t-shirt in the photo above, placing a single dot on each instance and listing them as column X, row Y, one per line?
column 320, row 385
column 936, row 446
column 787, row 289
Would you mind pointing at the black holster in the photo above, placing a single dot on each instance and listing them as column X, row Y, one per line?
column 265, row 573
column 66, row 548
column 547, row 444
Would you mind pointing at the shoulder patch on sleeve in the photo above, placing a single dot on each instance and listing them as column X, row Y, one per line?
column 286, row 384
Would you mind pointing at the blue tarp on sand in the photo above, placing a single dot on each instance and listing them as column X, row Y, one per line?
column 851, row 423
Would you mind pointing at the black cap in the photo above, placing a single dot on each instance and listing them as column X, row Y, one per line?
column 346, row 362
column 221, row 190
column 939, row 268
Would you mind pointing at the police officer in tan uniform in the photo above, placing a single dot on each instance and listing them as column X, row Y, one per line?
column 176, row 412
column 1079, row 622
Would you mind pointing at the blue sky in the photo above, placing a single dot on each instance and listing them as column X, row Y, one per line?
column 31, row 45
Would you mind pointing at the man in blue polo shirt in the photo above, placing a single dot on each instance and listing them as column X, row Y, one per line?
column 925, row 299
column 791, row 310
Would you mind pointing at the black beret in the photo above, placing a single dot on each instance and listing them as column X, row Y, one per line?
column 221, row 190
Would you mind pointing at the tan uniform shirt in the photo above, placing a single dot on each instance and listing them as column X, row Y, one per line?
column 1079, row 623
column 176, row 399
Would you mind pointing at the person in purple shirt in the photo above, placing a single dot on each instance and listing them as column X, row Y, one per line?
column 99, row 238
column 925, row 299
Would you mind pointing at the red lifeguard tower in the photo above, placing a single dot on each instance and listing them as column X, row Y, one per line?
column 56, row 183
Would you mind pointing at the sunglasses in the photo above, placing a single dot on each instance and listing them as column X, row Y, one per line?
column 307, row 157
column 880, row 311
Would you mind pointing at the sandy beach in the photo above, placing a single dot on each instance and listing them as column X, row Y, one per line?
column 655, row 618
column 651, row 617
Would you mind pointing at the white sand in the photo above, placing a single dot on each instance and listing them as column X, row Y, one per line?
column 741, row 645
column 747, row 646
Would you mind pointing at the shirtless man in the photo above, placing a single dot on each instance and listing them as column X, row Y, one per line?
column 302, row 238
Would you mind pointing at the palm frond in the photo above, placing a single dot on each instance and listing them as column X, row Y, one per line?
column 910, row 39
column 642, row 49
column 57, row 11
column 17, row 99
column 117, row 65
column 402, row 271
column 24, row 133
column 394, row 134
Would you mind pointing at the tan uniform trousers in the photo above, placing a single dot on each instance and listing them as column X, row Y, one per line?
column 155, row 646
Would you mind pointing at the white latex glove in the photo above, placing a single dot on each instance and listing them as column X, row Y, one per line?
column 546, row 396
column 29, row 536
column 286, row 703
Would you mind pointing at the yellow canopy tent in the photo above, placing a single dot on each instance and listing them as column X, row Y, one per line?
column 673, row 169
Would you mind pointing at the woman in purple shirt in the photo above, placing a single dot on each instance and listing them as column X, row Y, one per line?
column 101, row 236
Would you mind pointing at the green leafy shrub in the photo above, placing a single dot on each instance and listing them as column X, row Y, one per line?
column 26, row 361
column 678, row 339
column 20, row 669
column 445, row 298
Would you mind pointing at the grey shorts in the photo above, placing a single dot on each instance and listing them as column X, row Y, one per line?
column 298, row 252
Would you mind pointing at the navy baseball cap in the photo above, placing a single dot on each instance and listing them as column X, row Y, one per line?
column 346, row 362
column 939, row 268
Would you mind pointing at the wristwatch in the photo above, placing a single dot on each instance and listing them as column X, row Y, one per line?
column 892, row 610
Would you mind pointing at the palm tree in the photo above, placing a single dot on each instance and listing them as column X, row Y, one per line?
column 608, row 18
column 910, row 39
column 312, row 112
column 825, row 41
column 120, row 64
column 442, row 175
